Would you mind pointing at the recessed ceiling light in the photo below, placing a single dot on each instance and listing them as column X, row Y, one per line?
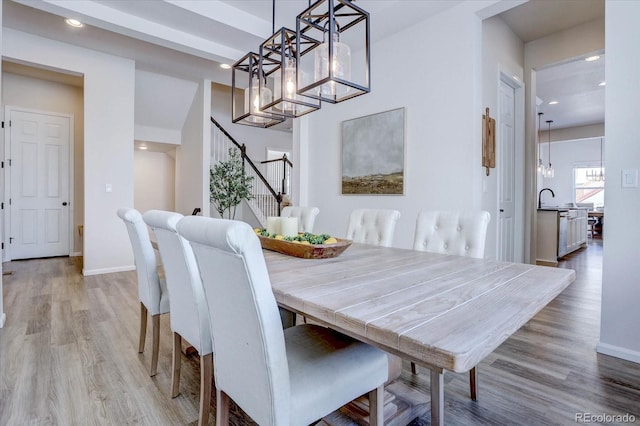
column 592, row 58
column 553, row 103
column 225, row 66
column 74, row 23
column 602, row 83
column 142, row 147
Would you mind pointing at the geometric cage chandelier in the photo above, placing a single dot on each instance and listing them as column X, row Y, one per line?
column 326, row 59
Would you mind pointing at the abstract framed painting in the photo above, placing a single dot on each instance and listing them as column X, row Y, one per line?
column 373, row 154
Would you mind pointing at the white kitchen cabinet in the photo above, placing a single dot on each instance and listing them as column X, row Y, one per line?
column 560, row 232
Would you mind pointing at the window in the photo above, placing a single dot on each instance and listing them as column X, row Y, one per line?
column 585, row 190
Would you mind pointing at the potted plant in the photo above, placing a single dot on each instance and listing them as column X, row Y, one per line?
column 229, row 185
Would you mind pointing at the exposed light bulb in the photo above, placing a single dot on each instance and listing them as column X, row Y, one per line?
column 254, row 99
column 290, row 85
column 340, row 66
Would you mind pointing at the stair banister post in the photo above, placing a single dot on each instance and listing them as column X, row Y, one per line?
column 284, row 173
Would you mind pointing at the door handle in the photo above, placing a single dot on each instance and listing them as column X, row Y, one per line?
column 64, row 203
column 501, row 210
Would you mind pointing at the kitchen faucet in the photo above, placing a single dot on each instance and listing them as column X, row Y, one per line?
column 540, row 195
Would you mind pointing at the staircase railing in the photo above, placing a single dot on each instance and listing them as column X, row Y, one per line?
column 266, row 201
column 279, row 173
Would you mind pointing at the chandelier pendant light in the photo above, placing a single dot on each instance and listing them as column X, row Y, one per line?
column 278, row 62
column 249, row 106
column 548, row 171
column 540, row 164
column 594, row 175
column 337, row 29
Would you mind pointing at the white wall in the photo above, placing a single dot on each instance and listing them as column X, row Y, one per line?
column 42, row 95
column 620, row 331
column 2, row 315
column 502, row 52
column 439, row 84
column 564, row 156
column 557, row 47
column 108, row 135
column 192, row 156
column 162, row 104
column 154, row 181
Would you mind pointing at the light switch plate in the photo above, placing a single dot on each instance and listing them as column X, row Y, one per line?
column 629, row 178
column 108, row 188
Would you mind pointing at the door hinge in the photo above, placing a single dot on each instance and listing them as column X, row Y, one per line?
column 1, row 206
column 10, row 240
column 3, row 124
column 9, row 160
column 2, row 164
column 9, row 201
column 2, row 246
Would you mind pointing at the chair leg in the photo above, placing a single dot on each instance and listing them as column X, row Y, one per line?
column 155, row 325
column 414, row 369
column 143, row 327
column 222, row 408
column 473, row 383
column 376, row 407
column 177, row 358
column 206, row 373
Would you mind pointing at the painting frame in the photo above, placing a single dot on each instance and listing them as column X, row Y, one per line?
column 373, row 154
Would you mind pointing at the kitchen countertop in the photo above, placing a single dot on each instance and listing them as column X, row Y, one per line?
column 556, row 209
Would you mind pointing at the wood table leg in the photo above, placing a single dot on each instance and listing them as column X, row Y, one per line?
column 473, row 383
column 437, row 396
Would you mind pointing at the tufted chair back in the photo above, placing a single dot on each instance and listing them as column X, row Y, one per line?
column 372, row 226
column 450, row 232
column 248, row 341
column 189, row 311
column 151, row 289
column 306, row 216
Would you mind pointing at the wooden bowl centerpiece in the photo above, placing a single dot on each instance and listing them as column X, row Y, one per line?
column 305, row 245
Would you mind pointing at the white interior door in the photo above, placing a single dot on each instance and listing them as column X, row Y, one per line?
column 39, row 195
column 507, row 179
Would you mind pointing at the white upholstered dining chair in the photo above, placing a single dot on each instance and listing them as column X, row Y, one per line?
column 189, row 310
column 457, row 233
column 152, row 291
column 278, row 377
column 306, row 216
column 371, row 226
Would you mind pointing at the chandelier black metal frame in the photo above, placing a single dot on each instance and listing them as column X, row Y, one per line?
column 295, row 71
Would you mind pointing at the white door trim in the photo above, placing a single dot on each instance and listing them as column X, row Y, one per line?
column 519, row 211
column 7, row 175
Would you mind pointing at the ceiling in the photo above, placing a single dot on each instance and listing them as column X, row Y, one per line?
column 189, row 39
column 573, row 83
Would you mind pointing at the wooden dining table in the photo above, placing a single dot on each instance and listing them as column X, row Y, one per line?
column 445, row 313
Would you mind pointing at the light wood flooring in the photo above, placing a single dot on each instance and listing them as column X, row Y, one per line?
column 68, row 356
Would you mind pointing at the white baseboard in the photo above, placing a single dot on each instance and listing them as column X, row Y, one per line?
column 3, row 318
column 618, row 352
column 76, row 254
column 87, row 272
